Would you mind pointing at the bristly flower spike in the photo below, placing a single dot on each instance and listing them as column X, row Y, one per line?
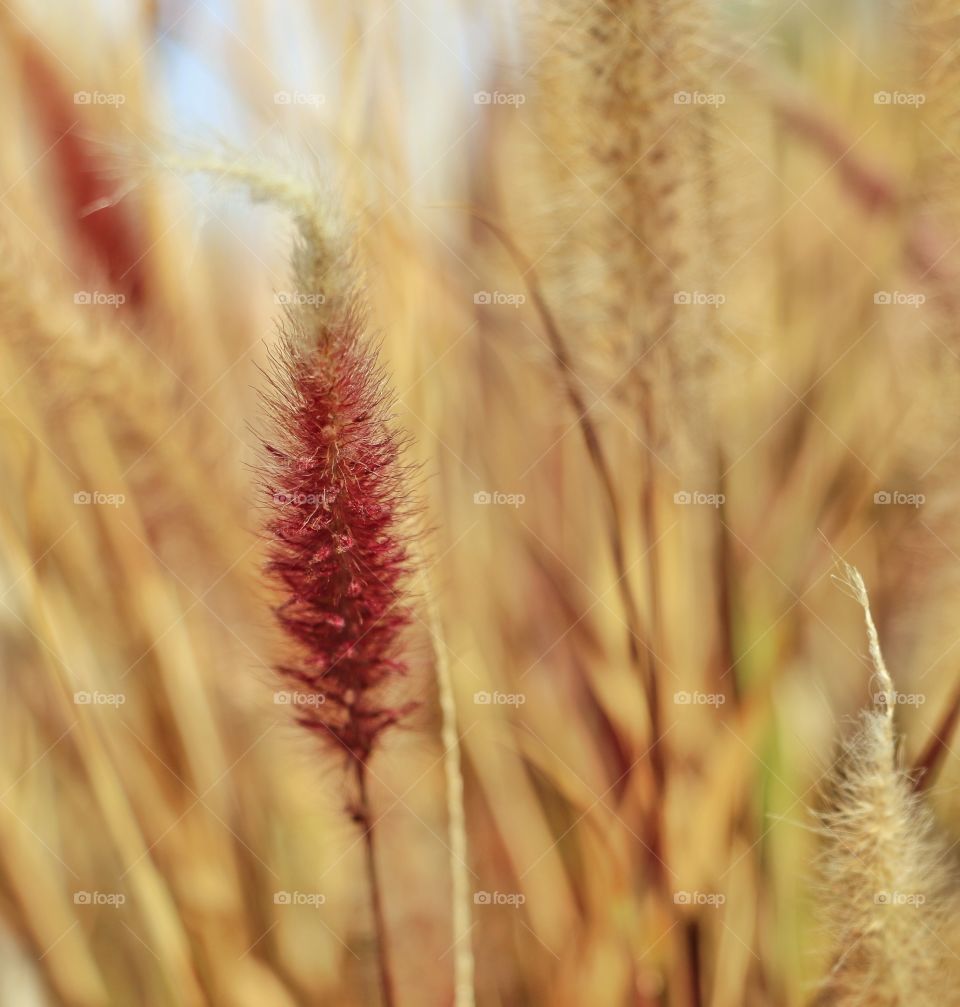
column 338, row 531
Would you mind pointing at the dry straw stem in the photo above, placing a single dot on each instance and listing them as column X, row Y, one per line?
column 934, row 753
column 66, row 649
column 456, row 816
column 641, row 655
column 889, row 895
column 598, row 459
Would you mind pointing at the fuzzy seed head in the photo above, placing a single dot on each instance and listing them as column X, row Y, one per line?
column 338, row 548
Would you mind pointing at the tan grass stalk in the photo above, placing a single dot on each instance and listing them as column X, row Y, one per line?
column 641, row 655
column 934, row 753
column 456, row 816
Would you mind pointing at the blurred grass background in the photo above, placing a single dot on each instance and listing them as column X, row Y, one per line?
column 138, row 308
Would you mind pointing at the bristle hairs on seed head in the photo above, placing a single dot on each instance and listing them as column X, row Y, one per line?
column 338, row 544
column 889, row 894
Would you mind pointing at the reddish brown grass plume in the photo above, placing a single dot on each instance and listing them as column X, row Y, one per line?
column 338, row 543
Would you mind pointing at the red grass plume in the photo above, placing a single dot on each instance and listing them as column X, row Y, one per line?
column 338, row 527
